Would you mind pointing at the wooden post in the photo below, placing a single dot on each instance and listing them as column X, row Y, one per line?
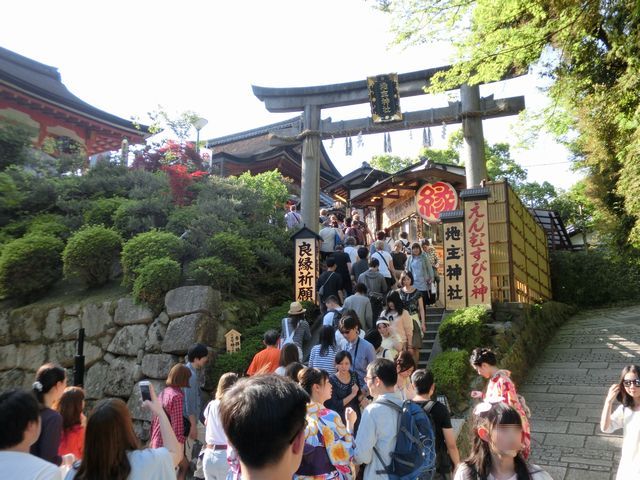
column 473, row 152
column 310, row 184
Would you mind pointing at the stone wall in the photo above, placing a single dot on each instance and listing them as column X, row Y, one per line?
column 124, row 342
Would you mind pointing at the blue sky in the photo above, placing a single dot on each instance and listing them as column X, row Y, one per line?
column 129, row 57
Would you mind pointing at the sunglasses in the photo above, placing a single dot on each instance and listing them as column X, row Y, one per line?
column 628, row 383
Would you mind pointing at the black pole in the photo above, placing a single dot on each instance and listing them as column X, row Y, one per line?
column 78, row 360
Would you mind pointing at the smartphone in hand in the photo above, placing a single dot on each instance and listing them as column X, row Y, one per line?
column 144, row 390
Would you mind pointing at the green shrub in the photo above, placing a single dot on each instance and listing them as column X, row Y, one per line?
column 213, row 271
column 49, row 224
column 90, row 253
column 595, row 277
column 102, row 210
column 251, row 344
column 30, row 265
column 155, row 279
column 234, row 250
column 451, row 373
column 138, row 216
column 463, row 329
column 146, row 247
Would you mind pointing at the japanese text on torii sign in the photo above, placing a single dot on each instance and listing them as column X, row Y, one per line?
column 454, row 272
column 306, row 270
column 477, row 252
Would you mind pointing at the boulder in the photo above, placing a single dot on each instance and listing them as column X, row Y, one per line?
column 163, row 318
column 26, row 324
column 156, row 334
column 157, row 365
column 121, row 376
column 72, row 310
column 129, row 340
column 191, row 299
column 5, row 329
column 63, row 353
column 92, row 353
column 8, row 357
column 138, row 412
column 185, row 331
column 70, row 327
column 129, row 313
column 14, row 379
column 95, row 380
column 96, row 319
column 142, row 430
column 52, row 327
column 30, row 356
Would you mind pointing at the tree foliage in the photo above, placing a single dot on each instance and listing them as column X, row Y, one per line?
column 590, row 50
column 391, row 163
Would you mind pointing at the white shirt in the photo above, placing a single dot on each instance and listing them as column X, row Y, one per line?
column 156, row 463
column 353, row 253
column 328, row 317
column 384, row 267
column 378, row 427
column 629, row 421
column 215, row 433
column 26, row 466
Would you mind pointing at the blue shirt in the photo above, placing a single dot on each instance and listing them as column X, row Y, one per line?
column 192, row 394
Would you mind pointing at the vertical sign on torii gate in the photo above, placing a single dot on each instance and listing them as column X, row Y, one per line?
column 470, row 111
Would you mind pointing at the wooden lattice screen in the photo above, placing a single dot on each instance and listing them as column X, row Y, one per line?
column 518, row 248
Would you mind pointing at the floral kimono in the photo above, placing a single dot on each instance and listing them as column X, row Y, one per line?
column 500, row 385
column 328, row 449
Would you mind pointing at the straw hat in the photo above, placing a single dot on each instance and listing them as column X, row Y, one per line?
column 296, row 309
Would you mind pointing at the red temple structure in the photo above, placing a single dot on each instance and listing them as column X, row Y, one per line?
column 32, row 94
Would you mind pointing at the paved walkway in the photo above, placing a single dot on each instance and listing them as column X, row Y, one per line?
column 567, row 388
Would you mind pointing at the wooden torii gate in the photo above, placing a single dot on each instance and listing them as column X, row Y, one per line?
column 470, row 111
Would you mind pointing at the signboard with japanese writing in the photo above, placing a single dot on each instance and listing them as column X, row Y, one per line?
column 434, row 198
column 384, row 98
column 306, row 268
column 398, row 211
column 476, row 222
column 455, row 288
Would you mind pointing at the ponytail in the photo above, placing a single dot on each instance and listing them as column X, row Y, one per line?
column 47, row 377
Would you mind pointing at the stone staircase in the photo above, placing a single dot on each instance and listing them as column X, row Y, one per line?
column 434, row 317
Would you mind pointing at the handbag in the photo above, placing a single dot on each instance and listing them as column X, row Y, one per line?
column 416, row 339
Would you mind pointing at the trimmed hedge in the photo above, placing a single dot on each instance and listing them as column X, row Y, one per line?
column 90, row 253
column 30, row 265
column 451, row 373
column 146, row 247
column 234, row 250
column 213, row 271
column 463, row 329
column 155, row 279
column 102, row 210
column 238, row 362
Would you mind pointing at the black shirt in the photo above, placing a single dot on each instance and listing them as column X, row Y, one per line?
column 440, row 418
column 399, row 260
column 332, row 282
column 342, row 259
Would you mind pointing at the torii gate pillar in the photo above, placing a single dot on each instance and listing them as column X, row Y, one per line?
column 473, row 152
column 310, row 184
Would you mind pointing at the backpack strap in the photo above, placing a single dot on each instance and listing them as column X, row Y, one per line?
column 429, row 406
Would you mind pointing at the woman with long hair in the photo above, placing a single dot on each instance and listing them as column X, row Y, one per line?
column 51, row 380
column 500, row 385
column 412, row 300
column 111, row 448
column 405, row 366
column 328, row 449
column 496, row 446
column 627, row 417
column 288, row 354
column 345, row 386
column 70, row 406
column 214, row 462
column 172, row 398
column 323, row 356
column 400, row 320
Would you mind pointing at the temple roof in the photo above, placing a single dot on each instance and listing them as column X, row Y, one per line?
column 44, row 82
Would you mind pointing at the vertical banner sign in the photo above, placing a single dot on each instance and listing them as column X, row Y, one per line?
column 384, row 98
column 306, row 269
column 477, row 251
column 455, row 287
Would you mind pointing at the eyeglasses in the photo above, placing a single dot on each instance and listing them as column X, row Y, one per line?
column 628, row 383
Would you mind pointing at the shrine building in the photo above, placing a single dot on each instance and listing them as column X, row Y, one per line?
column 32, row 94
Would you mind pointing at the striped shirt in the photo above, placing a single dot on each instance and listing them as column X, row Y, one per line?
column 323, row 362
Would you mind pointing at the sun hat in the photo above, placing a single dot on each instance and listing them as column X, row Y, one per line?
column 384, row 321
column 296, row 309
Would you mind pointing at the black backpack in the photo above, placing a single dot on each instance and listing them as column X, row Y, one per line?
column 443, row 461
column 336, row 318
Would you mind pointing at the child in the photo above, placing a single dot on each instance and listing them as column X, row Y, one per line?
column 496, row 450
column 70, row 406
column 627, row 417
